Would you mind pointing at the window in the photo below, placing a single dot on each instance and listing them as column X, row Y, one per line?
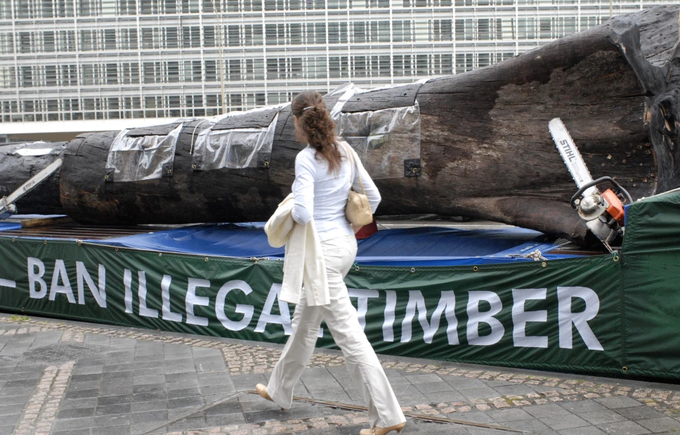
column 526, row 29
column 173, row 72
column 464, row 30
column 320, row 33
column 254, row 69
column 317, row 67
column 401, row 31
column 147, row 38
column 170, row 6
column 111, row 74
column 189, row 6
column 337, row 4
column 546, row 28
column 464, row 62
column 360, row 32
column 87, row 75
column 234, row 72
column 210, row 69
column 337, row 33
column 129, row 73
column 69, row 75
column 151, row 72
column 233, row 36
column 191, row 37
column 26, row 77
column 24, row 42
column 7, row 43
column 295, row 33
column 295, row 68
column 483, row 29
column 441, row 30
column 48, row 42
column 338, row 66
column 209, row 36
column 110, row 39
column 402, row 65
column 171, row 37
column 271, row 34
column 360, row 69
column 380, row 31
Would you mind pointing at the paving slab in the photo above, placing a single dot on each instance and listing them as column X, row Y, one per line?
column 71, row 378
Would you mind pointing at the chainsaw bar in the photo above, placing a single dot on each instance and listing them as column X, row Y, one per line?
column 571, row 155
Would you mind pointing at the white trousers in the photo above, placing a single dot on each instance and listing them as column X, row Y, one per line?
column 341, row 319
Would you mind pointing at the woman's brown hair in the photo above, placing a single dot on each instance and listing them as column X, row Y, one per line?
column 317, row 126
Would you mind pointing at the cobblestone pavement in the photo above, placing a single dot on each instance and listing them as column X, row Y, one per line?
column 73, row 378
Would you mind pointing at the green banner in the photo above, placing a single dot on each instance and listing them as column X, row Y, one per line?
column 651, row 289
column 563, row 315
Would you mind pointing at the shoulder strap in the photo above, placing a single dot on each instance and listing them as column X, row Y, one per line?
column 350, row 154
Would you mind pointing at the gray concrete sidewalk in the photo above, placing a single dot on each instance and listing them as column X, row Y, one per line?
column 72, row 378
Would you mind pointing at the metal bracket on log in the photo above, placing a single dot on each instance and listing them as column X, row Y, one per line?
column 263, row 160
column 197, row 164
column 167, row 170
column 412, row 168
column 108, row 177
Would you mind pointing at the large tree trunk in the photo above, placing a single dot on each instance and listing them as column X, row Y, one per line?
column 484, row 146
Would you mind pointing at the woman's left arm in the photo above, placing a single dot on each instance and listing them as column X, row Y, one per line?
column 370, row 188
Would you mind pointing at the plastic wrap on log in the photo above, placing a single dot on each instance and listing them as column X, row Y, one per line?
column 485, row 148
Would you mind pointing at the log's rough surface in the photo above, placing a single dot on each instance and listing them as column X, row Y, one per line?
column 16, row 169
column 485, row 149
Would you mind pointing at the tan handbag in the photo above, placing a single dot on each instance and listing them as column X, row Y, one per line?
column 358, row 210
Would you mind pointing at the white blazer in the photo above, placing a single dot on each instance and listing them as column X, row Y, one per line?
column 303, row 262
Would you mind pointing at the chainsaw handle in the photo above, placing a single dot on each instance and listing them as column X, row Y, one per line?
column 583, row 188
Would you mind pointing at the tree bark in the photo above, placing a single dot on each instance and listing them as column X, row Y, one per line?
column 16, row 169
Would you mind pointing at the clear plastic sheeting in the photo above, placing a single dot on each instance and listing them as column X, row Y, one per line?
column 234, row 148
column 384, row 139
column 136, row 158
column 35, row 149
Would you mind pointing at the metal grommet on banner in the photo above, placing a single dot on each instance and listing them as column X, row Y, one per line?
column 160, row 254
column 116, row 249
column 544, row 264
column 413, row 270
column 13, row 240
column 475, row 268
column 44, row 242
column 206, row 259
column 79, row 242
column 616, row 257
column 356, row 266
column 624, row 369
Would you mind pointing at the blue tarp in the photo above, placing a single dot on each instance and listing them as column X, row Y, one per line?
column 423, row 246
column 6, row 226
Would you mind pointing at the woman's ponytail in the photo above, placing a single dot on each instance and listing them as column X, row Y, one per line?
column 317, row 126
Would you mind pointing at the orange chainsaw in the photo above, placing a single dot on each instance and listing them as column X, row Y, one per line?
column 603, row 212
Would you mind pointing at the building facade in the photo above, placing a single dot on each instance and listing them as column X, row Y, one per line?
column 75, row 60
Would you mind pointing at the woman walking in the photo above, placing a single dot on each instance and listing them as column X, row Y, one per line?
column 324, row 173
